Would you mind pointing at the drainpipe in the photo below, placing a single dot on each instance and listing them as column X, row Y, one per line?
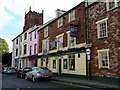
column 88, row 71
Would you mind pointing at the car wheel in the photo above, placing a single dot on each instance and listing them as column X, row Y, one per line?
column 33, row 79
column 26, row 77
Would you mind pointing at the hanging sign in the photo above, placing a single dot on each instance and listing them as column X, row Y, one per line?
column 52, row 44
column 73, row 32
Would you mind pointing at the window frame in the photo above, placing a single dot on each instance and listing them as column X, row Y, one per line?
column 55, row 64
column 65, row 66
column 100, row 52
column 60, row 22
column 71, row 17
column 108, row 2
column 98, row 28
column 45, row 32
column 70, row 68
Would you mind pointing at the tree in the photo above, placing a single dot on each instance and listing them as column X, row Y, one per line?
column 3, row 48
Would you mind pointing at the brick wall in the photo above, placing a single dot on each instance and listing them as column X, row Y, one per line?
column 112, row 42
column 54, row 30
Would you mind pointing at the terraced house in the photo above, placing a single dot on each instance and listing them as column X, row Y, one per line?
column 61, row 43
column 104, row 26
column 22, row 42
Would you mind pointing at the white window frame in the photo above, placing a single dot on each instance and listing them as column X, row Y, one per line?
column 72, row 16
column 68, row 43
column 107, row 4
column 98, row 27
column 100, row 58
column 45, row 32
column 57, row 37
column 60, row 22
column 45, row 45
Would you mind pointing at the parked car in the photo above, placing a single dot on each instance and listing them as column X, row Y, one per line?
column 4, row 69
column 22, row 72
column 38, row 73
column 10, row 70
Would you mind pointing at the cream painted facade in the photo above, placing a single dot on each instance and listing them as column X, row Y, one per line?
column 80, row 63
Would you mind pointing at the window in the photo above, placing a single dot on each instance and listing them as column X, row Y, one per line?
column 45, row 46
column 25, row 36
column 60, row 42
column 16, row 41
column 20, row 50
column 72, row 41
column 60, row 22
column 54, row 64
column 20, row 38
column 111, row 4
column 30, row 36
column 72, row 62
column 25, row 49
column 35, row 33
column 46, row 32
column 17, row 52
column 36, row 21
column 41, row 62
column 35, row 47
column 64, row 63
column 103, row 58
column 30, row 50
column 102, row 28
column 72, row 16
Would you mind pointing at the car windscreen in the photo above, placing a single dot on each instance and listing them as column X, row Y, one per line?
column 44, row 68
column 26, row 69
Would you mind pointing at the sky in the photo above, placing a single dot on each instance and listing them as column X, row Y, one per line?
column 12, row 14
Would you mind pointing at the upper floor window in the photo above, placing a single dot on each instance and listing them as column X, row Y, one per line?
column 45, row 46
column 35, row 33
column 36, row 21
column 25, row 49
column 103, row 58
column 20, row 38
column 20, row 50
column 17, row 41
column 72, row 16
column 111, row 4
column 30, row 36
column 35, row 48
column 17, row 52
column 25, row 36
column 46, row 32
column 30, row 50
column 72, row 41
column 60, row 42
column 60, row 22
column 102, row 28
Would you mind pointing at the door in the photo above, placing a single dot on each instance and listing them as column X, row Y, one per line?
column 59, row 67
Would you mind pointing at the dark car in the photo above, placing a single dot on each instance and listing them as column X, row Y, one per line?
column 22, row 72
column 10, row 70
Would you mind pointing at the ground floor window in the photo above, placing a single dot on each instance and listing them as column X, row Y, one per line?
column 54, row 64
column 41, row 62
column 72, row 62
column 64, row 63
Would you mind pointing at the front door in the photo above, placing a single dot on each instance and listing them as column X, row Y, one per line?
column 59, row 66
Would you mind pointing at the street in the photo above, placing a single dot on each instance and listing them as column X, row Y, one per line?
column 11, row 81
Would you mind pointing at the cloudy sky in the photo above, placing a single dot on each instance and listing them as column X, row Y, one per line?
column 12, row 14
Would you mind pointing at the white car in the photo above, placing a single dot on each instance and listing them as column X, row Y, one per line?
column 38, row 73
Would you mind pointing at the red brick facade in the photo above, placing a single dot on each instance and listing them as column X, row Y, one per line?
column 53, row 29
column 98, row 12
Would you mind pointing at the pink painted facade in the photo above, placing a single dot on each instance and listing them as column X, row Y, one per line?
column 32, row 48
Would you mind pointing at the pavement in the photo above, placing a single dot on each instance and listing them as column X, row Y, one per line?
column 89, row 83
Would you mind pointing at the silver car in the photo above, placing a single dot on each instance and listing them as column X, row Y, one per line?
column 38, row 72
column 10, row 70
